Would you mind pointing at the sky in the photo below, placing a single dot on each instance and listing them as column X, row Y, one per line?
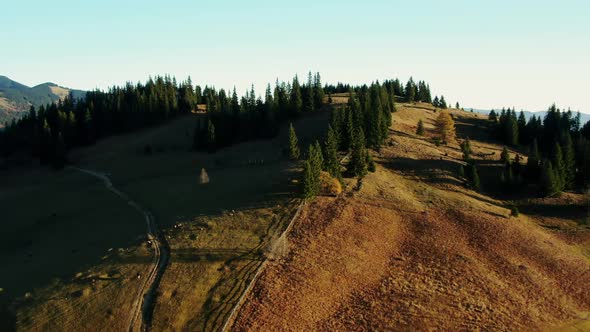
column 483, row 54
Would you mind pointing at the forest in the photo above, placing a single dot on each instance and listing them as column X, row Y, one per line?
column 50, row 131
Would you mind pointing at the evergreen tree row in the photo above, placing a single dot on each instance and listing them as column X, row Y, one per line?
column 559, row 150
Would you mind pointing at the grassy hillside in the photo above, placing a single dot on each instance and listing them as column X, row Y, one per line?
column 16, row 98
column 217, row 232
column 414, row 249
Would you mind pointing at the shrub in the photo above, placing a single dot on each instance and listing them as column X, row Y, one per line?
column 514, row 211
column 329, row 185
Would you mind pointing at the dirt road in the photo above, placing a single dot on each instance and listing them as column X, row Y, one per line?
column 141, row 311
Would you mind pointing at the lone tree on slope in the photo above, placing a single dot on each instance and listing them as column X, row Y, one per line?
column 445, row 127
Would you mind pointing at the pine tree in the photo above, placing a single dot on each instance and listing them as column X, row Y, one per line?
column 532, row 165
column 521, row 124
column 370, row 162
column 466, row 149
column 505, row 156
column 569, row 159
column 436, row 102
column 294, row 151
column 549, row 184
column 296, row 99
column 332, row 165
column 420, row 128
column 358, row 163
column 493, row 117
column 558, row 166
column 445, row 127
column 474, row 178
column 316, row 161
column 410, row 91
column 442, row 102
column 308, row 181
column 211, row 136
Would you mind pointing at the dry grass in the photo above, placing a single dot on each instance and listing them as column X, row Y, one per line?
column 415, row 250
column 217, row 232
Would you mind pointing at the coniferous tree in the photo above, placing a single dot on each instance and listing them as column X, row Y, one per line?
column 316, row 161
column 332, row 165
column 549, row 184
column 420, row 128
column 211, row 136
column 294, row 151
column 358, row 162
column 461, row 171
column 505, row 156
column 296, row 99
column 569, row 161
column 309, row 190
column 558, row 166
column 474, row 178
column 410, row 91
column 493, row 117
column 521, row 124
column 532, row 166
column 318, row 92
column 370, row 162
column 466, row 149
column 436, row 102
column 442, row 103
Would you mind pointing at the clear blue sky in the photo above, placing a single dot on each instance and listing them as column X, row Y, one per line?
column 526, row 54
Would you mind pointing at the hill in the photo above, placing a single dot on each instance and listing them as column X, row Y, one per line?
column 16, row 98
column 414, row 249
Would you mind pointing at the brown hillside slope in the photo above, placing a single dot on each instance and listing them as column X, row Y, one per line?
column 415, row 250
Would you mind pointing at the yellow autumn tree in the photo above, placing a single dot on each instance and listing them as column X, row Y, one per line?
column 445, row 127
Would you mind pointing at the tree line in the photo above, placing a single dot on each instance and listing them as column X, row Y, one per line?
column 50, row 131
column 558, row 150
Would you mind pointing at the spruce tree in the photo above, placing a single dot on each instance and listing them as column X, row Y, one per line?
column 370, row 162
column 549, row 184
column 493, row 117
column 474, row 178
column 420, row 128
column 569, row 160
column 332, row 165
column 296, row 99
column 558, row 166
column 505, row 156
column 211, row 136
column 466, row 149
column 308, row 182
column 532, row 165
column 294, row 151
column 358, row 162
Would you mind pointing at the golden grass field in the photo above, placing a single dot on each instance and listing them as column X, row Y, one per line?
column 217, row 232
column 414, row 249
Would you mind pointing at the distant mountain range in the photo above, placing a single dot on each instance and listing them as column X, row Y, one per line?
column 17, row 98
column 528, row 114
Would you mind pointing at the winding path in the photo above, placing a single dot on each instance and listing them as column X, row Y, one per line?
column 142, row 307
